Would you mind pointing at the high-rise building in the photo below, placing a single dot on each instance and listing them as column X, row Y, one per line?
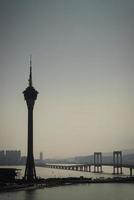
column 2, row 157
column 41, row 156
column 30, row 95
column 12, row 157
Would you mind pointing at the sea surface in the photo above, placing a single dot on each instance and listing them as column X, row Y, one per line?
column 110, row 191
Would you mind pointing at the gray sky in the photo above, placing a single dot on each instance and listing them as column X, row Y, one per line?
column 83, row 68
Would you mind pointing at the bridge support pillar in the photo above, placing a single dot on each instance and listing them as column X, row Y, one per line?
column 131, row 172
column 97, row 162
column 89, row 168
column 81, row 168
column 117, row 162
column 85, row 168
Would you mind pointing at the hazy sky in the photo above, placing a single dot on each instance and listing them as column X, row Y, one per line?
column 83, row 68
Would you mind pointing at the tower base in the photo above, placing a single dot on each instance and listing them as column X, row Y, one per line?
column 30, row 172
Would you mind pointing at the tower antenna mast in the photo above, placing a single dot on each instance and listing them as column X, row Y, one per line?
column 30, row 75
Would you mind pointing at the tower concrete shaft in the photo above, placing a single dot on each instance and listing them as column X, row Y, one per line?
column 30, row 95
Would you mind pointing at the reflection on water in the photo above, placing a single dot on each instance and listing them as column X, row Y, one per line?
column 79, row 192
column 29, row 194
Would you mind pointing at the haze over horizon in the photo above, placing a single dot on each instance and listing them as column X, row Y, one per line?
column 83, row 67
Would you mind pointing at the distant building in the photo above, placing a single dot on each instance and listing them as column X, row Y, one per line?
column 2, row 157
column 40, row 161
column 13, row 157
column 41, row 156
column 23, row 160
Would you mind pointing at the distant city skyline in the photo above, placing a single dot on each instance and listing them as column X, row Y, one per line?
column 83, row 68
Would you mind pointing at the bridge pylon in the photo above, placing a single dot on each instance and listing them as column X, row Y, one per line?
column 97, row 162
column 117, row 162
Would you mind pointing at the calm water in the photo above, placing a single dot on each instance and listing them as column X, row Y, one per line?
column 79, row 192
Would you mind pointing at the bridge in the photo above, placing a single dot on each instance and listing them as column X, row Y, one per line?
column 97, row 165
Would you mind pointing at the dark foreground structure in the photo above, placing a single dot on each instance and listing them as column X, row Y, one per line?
column 20, row 184
column 30, row 95
column 8, row 175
